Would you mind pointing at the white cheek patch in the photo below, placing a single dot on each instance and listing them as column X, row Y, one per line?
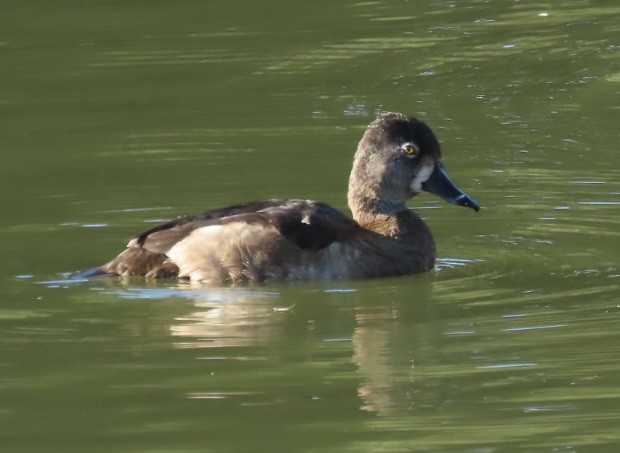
column 425, row 172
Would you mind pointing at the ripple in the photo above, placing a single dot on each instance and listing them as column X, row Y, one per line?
column 506, row 365
column 453, row 262
column 203, row 295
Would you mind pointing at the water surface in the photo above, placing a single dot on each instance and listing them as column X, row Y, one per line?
column 118, row 116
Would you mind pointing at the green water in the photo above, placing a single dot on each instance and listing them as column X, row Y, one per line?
column 114, row 116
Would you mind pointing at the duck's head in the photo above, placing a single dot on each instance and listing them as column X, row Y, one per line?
column 397, row 158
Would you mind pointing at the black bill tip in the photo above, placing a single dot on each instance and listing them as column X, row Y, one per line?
column 467, row 201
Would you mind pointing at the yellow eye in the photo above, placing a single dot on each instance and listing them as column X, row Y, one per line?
column 410, row 149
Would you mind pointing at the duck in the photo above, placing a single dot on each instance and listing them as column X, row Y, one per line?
column 397, row 158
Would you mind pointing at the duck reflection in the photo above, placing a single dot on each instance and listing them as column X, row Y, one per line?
column 383, row 340
column 229, row 318
column 387, row 352
column 371, row 340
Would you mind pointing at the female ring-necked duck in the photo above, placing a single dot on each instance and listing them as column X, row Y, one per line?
column 397, row 158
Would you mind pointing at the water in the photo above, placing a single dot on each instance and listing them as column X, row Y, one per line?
column 118, row 116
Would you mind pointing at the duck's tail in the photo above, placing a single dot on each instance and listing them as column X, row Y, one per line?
column 132, row 261
column 88, row 273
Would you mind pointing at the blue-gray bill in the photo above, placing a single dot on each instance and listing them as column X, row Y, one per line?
column 441, row 185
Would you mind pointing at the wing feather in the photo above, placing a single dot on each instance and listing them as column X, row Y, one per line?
column 309, row 225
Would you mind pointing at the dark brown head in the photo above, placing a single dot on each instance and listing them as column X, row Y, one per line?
column 397, row 158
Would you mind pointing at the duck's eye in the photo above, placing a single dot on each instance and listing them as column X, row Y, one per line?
column 409, row 149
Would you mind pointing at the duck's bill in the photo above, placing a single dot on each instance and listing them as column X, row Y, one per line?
column 440, row 184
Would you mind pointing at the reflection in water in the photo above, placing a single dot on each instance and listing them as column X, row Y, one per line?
column 371, row 354
column 226, row 317
column 229, row 319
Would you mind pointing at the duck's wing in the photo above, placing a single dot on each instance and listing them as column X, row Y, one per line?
column 311, row 225
column 308, row 225
column 185, row 224
column 252, row 228
column 145, row 255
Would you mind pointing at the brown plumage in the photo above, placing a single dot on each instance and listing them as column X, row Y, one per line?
column 281, row 239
